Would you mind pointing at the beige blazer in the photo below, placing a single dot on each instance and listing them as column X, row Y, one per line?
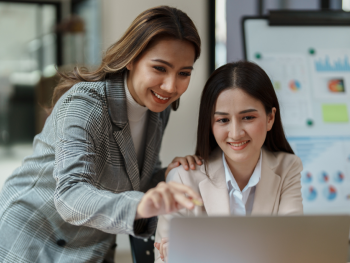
column 277, row 193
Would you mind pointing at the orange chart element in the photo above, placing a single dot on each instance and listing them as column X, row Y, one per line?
column 336, row 85
column 294, row 85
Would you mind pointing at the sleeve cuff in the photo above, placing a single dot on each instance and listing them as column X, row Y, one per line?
column 144, row 228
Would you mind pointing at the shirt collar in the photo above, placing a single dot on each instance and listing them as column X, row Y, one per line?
column 253, row 181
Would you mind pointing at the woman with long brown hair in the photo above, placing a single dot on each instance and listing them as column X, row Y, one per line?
column 95, row 170
column 249, row 167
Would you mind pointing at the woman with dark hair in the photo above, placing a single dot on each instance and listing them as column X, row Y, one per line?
column 249, row 167
column 95, row 170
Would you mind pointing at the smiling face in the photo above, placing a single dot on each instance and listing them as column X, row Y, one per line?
column 239, row 125
column 162, row 73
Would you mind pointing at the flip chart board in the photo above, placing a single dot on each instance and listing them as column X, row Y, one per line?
column 309, row 67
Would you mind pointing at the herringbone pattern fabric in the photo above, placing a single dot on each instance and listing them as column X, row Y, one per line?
column 77, row 190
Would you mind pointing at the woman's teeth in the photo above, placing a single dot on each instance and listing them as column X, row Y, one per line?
column 159, row 97
column 238, row 144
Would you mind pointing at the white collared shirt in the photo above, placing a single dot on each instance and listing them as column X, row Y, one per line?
column 241, row 202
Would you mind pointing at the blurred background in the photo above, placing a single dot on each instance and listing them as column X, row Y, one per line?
column 37, row 36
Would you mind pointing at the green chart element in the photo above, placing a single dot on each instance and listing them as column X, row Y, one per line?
column 335, row 113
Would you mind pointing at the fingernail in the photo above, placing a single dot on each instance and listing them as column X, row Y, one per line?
column 192, row 166
column 186, row 167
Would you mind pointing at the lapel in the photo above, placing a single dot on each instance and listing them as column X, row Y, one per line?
column 268, row 186
column 153, row 141
column 116, row 99
column 213, row 189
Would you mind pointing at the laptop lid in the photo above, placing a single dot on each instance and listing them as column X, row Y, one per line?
column 289, row 239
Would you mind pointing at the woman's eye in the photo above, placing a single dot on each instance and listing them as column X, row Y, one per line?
column 248, row 118
column 161, row 69
column 222, row 120
column 185, row 74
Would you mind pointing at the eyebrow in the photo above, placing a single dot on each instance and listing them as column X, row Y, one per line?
column 169, row 64
column 220, row 113
column 241, row 112
column 246, row 111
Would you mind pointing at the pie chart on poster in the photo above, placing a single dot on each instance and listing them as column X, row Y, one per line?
column 306, row 177
column 323, row 177
column 330, row 192
column 339, row 177
column 294, row 85
column 310, row 193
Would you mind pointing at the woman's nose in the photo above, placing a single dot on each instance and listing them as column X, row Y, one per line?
column 169, row 84
column 236, row 132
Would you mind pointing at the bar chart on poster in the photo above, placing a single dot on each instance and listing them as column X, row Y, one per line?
column 309, row 68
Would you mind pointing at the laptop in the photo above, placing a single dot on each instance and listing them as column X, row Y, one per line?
column 288, row 239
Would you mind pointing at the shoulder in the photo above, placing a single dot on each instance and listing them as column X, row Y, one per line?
column 82, row 100
column 191, row 177
column 283, row 163
column 94, row 90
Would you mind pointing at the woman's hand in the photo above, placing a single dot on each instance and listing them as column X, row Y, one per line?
column 166, row 198
column 187, row 161
column 163, row 248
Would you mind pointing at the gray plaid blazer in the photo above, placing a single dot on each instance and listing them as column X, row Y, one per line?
column 82, row 184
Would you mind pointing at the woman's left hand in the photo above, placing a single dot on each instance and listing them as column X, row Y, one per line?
column 186, row 162
column 163, row 248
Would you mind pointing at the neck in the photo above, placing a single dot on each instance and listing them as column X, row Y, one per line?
column 131, row 89
column 242, row 171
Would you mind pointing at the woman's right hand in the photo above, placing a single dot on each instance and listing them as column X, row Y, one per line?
column 166, row 198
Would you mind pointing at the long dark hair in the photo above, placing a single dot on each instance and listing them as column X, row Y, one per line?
column 251, row 79
column 150, row 25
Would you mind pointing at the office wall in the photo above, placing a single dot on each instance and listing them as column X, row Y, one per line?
column 180, row 135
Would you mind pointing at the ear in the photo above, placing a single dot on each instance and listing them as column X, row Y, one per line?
column 271, row 119
column 130, row 66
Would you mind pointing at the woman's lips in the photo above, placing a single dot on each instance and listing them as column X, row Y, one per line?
column 159, row 99
column 237, row 146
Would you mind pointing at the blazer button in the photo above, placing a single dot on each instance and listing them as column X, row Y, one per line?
column 61, row 243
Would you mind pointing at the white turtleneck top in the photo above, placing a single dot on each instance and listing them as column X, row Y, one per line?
column 137, row 116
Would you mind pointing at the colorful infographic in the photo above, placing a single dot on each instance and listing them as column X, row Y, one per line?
column 315, row 108
column 325, row 184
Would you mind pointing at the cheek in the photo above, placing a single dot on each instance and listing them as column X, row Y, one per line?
column 258, row 131
column 182, row 86
column 219, row 133
column 145, row 83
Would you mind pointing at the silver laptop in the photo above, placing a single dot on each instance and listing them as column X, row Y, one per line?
column 292, row 239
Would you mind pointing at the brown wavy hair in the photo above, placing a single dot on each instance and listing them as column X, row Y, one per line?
column 251, row 79
column 150, row 25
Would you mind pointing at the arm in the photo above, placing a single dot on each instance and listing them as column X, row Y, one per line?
column 291, row 202
column 78, row 198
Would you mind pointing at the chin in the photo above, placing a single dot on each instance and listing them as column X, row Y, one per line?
column 238, row 157
column 157, row 108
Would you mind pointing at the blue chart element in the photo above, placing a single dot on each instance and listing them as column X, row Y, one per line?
column 339, row 177
column 309, row 193
column 306, row 177
column 338, row 65
column 330, row 193
column 324, row 177
column 309, row 149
